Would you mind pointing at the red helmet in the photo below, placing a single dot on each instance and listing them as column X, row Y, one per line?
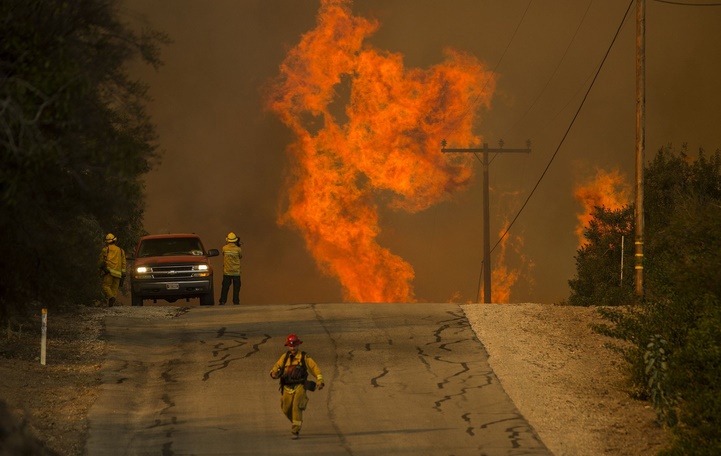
column 292, row 341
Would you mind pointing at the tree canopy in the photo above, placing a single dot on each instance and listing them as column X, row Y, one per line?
column 75, row 141
column 604, row 264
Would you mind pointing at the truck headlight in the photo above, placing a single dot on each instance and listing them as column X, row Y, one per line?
column 142, row 272
column 201, row 270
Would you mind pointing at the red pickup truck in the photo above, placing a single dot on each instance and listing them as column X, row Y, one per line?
column 171, row 267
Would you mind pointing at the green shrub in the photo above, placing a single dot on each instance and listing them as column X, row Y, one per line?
column 656, row 371
column 695, row 378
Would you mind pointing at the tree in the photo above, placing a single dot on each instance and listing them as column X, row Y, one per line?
column 599, row 279
column 75, row 141
column 681, row 200
column 675, row 330
column 682, row 197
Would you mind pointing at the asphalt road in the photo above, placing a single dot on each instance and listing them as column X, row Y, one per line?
column 400, row 379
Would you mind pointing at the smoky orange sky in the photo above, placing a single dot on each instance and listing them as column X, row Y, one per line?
column 227, row 157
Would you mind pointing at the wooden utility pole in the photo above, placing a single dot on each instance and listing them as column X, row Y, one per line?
column 640, row 135
column 486, row 224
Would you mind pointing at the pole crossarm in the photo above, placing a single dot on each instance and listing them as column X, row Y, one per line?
column 485, row 148
column 498, row 150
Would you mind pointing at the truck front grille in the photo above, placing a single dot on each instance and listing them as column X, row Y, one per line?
column 172, row 272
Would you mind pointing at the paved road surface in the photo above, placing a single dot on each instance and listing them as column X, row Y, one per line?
column 402, row 379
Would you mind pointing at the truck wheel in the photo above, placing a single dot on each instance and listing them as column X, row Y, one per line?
column 208, row 299
column 135, row 300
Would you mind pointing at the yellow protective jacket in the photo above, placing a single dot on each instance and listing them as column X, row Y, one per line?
column 231, row 259
column 292, row 362
column 112, row 259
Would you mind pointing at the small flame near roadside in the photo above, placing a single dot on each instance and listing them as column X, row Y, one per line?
column 504, row 276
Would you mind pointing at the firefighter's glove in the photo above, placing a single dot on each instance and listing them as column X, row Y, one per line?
column 122, row 280
column 320, row 386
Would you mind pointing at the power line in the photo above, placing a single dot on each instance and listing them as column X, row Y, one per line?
column 687, row 4
column 568, row 130
column 558, row 66
column 512, row 36
column 498, row 64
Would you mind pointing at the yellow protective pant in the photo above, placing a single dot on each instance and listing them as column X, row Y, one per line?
column 293, row 402
column 110, row 286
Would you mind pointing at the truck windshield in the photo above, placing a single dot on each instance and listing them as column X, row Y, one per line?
column 169, row 247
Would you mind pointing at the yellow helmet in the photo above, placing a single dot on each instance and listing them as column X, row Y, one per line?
column 231, row 237
column 110, row 238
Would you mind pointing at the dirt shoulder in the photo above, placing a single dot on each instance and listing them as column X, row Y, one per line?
column 565, row 379
column 560, row 375
column 50, row 402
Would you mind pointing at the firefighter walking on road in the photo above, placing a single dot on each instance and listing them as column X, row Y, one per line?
column 232, row 254
column 112, row 268
column 292, row 369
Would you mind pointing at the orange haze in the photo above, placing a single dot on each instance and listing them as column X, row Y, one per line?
column 380, row 143
column 606, row 189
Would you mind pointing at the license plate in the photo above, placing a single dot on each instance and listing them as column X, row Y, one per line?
column 172, row 286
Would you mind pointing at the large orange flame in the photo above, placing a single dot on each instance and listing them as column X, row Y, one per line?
column 605, row 189
column 389, row 142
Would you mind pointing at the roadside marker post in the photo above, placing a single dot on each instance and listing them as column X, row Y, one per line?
column 44, row 337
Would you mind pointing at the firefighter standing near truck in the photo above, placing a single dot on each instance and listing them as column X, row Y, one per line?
column 112, row 268
column 232, row 254
column 292, row 370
